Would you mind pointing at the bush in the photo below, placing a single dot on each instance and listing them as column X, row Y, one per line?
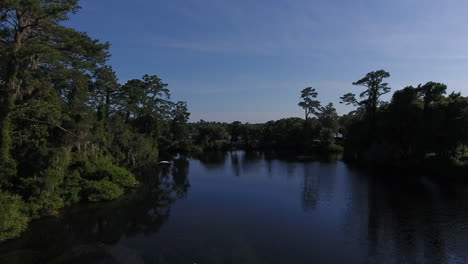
column 71, row 187
column 47, row 203
column 118, row 175
column 13, row 217
column 103, row 190
column 326, row 137
column 103, row 169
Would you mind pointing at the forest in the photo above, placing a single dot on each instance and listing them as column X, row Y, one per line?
column 71, row 132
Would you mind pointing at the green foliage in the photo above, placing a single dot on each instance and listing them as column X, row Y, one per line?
column 103, row 190
column 308, row 103
column 419, row 126
column 293, row 135
column 431, row 93
column 210, row 136
column 13, row 217
column 328, row 117
column 68, row 130
column 375, row 88
column 326, row 136
column 7, row 163
column 71, row 187
column 235, row 131
column 47, row 203
column 102, row 169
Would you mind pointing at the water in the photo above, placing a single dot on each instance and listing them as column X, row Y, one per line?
column 245, row 208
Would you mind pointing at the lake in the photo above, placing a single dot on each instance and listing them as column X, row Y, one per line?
column 239, row 207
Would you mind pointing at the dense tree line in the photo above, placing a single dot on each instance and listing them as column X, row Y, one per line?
column 419, row 126
column 69, row 131
column 295, row 135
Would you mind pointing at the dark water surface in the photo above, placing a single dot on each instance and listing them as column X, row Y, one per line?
column 244, row 208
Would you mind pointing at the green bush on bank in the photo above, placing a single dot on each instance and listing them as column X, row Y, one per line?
column 47, row 203
column 90, row 180
column 13, row 216
column 103, row 169
column 103, row 180
column 103, row 190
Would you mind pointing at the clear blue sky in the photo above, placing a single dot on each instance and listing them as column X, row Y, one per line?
column 248, row 60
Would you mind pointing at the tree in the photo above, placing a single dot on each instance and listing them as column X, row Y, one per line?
column 431, row 93
column 104, row 88
column 180, row 118
column 144, row 102
column 68, row 130
column 375, row 88
column 210, row 134
column 403, row 123
column 32, row 44
column 308, row 103
column 235, row 129
column 328, row 117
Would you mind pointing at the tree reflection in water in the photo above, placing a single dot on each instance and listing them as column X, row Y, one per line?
column 404, row 221
column 88, row 233
column 213, row 159
column 369, row 217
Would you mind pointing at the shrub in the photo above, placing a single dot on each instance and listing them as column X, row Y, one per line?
column 71, row 187
column 103, row 190
column 103, row 169
column 117, row 175
column 13, row 217
column 47, row 203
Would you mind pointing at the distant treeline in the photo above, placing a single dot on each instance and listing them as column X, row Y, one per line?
column 420, row 127
column 320, row 131
column 289, row 135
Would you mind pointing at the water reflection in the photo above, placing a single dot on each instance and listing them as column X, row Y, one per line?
column 91, row 233
column 259, row 209
column 180, row 170
column 213, row 159
column 310, row 189
column 235, row 163
column 407, row 221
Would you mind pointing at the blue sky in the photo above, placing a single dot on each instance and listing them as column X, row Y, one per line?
column 248, row 60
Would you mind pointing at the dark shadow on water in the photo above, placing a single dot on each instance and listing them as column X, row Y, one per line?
column 235, row 162
column 405, row 209
column 180, row 170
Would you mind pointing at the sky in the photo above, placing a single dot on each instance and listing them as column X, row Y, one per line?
column 248, row 60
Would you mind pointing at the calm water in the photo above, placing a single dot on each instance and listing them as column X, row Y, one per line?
column 244, row 208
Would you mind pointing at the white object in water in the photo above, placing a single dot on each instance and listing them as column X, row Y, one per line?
column 164, row 162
